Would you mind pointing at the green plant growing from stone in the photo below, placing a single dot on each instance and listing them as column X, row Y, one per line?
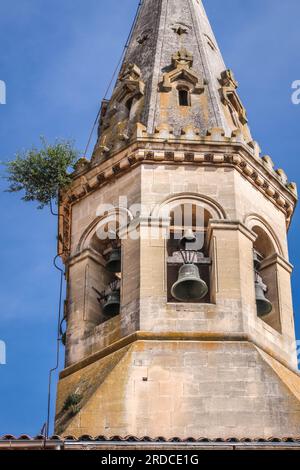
column 72, row 403
column 42, row 172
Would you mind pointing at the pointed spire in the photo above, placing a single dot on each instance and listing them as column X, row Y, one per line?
column 173, row 77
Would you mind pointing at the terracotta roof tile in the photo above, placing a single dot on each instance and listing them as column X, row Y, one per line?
column 88, row 438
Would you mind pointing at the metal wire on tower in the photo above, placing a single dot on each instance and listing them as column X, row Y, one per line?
column 59, row 320
column 114, row 74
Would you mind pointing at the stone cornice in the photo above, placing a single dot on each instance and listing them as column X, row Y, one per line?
column 87, row 253
column 205, row 152
column 168, row 336
column 279, row 260
column 229, row 225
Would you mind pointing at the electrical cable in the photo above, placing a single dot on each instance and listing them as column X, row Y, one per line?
column 62, row 272
column 52, row 211
column 58, row 338
column 58, row 344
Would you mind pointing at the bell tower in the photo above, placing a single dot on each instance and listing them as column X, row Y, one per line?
column 179, row 317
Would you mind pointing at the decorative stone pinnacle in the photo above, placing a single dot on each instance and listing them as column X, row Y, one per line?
column 228, row 79
column 130, row 72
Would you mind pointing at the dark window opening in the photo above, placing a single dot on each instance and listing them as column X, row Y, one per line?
column 129, row 104
column 184, row 98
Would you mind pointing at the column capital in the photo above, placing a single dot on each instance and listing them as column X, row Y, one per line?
column 234, row 225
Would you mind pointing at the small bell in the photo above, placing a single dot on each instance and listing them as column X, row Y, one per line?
column 188, row 237
column 257, row 260
column 264, row 306
column 113, row 264
column 112, row 304
column 189, row 286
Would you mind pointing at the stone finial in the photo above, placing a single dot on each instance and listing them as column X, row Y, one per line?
column 130, row 72
column 228, row 79
column 238, row 136
column 216, row 133
column 182, row 58
column 164, row 131
column 293, row 187
column 81, row 164
column 268, row 162
column 282, row 175
column 256, row 148
column 139, row 130
column 190, row 132
column 231, row 99
column 122, row 131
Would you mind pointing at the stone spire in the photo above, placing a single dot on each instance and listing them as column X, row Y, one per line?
column 172, row 59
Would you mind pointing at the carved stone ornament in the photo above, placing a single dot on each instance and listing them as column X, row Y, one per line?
column 180, row 28
column 130, row 83
column 144, row 36
column 182, row 58
column 116, row 115
column 182, row 63
column 231, row 99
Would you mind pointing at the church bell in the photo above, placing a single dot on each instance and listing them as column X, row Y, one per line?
column 264, row 306
column 112, row 304
column 113, row 264
column 189, row 286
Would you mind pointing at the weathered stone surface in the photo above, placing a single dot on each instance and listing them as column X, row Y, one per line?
column 184, row 389
column 173, row 45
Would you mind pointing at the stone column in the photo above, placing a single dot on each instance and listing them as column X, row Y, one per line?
column 153, row 289
column 85, row 271
column 230, row 248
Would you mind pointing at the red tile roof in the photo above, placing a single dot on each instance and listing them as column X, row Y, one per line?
column 145, row 439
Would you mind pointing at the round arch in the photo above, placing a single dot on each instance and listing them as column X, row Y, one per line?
column 163, row 209
column 119, row 216
column 259, row 225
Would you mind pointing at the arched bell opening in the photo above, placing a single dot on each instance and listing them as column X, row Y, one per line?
column 188, row 262
column 266, row 279
column 105, row 279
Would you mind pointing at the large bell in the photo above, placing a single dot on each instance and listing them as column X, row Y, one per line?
column 113, row 264
column 112, row 304
column 189, row 286
column 264, row 306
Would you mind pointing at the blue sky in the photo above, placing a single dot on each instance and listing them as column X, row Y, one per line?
column 56, row 59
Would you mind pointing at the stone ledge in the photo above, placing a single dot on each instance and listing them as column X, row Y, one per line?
column 168, row 336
